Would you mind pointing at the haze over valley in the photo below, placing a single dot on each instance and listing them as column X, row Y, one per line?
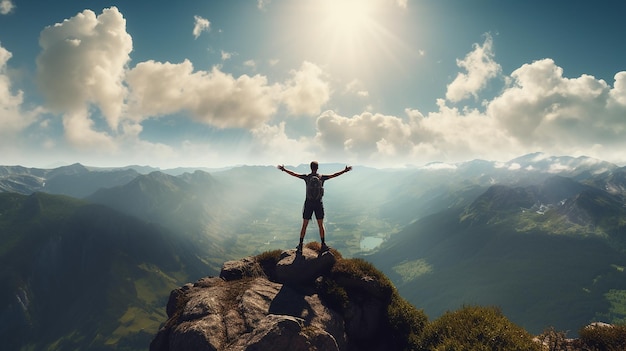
column 539, row 236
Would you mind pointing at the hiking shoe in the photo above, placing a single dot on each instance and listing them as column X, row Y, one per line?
column 324, row 248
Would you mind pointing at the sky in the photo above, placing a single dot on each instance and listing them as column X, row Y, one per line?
column 381, row 83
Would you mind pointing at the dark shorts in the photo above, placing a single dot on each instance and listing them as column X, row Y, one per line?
column 313, row 206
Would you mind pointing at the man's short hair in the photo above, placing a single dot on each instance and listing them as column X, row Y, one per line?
column 314, row 165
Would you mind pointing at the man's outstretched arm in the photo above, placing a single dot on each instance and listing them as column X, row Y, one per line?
column 347, row 169
column 282, row 168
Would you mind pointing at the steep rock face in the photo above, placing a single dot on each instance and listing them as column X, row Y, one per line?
column 248, row 309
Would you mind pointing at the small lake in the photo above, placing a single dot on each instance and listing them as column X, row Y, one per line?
column 370, row 242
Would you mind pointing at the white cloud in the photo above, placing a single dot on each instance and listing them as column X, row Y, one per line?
column 12, row 118
column 558, row 168
column 440, row 166
column 514, row 166
column 80, row 132
column 356, row 87
column 366, row 136
column 306, row 91
column 272, row 143
column 6, row 6
column 141, row 150
column 214, row 97
column 83, row 61
column 448, row 135
column 480, row 67
column 618, row 94
column 250, row 64
column 226, row 55
column 9, row 103
column 543, row 109
column 200, row 25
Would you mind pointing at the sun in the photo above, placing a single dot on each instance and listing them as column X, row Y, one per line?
column 347, row 30
column 349, row 38
column 348, row 19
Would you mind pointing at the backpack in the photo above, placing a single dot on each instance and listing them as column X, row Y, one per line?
column 314, row 188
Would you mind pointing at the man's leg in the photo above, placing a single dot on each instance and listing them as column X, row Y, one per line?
column 319, row 215
column 320, row 224
column 305, row 223
column 307, row 212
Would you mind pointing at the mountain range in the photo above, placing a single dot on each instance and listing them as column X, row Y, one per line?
column 76, row 275
column 539, row 236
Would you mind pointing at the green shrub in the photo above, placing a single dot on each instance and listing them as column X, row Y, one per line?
column 337, row 295
column 606, row 338
column 406, row 322
column 359, row 268
column 476, row 328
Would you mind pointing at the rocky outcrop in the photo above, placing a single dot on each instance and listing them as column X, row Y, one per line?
column 595, row 336
column 278, row 306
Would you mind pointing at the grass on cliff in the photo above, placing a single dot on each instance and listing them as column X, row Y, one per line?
column 404, row 322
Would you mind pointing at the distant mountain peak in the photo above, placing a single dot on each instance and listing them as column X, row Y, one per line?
column 75, row 168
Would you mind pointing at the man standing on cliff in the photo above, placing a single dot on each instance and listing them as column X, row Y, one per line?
column 313, row 202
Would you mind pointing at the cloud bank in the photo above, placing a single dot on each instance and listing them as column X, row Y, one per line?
column 84, row 73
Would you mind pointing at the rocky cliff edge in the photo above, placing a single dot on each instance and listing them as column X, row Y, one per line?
column 283, row 300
